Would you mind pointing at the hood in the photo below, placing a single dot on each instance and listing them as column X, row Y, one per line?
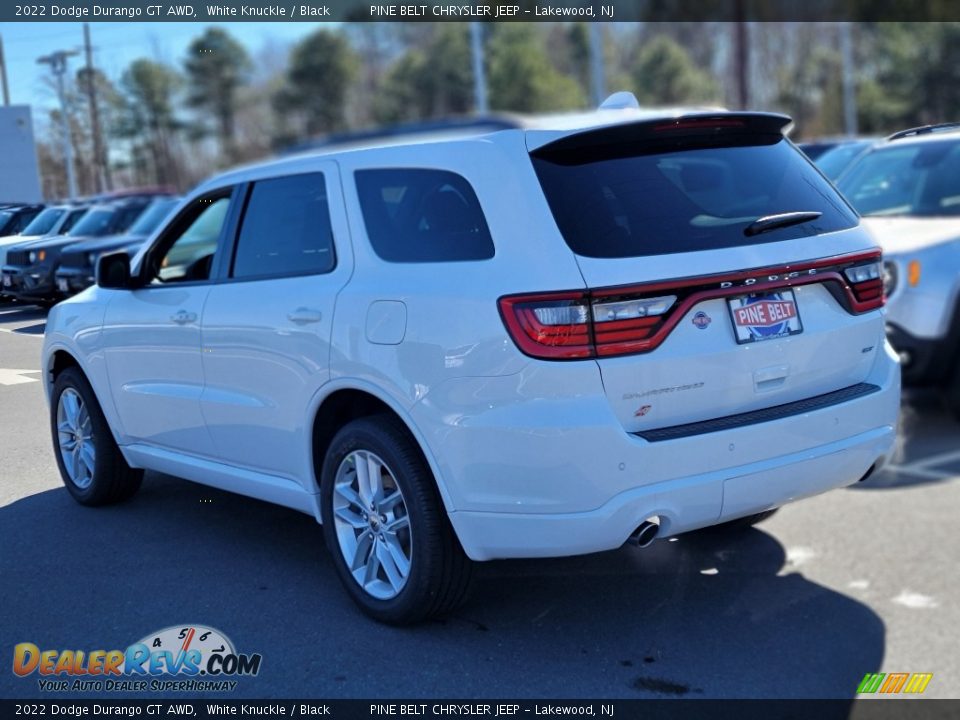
column 898, row 235
column 109, row 242
column 19, row 239
column 52, row 242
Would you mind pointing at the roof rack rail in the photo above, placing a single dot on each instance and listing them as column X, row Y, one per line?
column 924, row 130
column 476, row 125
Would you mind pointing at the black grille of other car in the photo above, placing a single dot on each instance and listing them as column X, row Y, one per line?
column 18, row 257
column 73, row 259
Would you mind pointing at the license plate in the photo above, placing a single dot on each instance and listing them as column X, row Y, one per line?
column 765, row 316
column 63, row 285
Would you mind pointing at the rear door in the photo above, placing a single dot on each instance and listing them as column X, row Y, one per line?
column 266, row 328
column 711, row 293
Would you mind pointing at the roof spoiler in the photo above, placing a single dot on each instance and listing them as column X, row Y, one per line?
column 688, row 125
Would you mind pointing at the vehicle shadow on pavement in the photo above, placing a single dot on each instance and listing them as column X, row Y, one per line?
column 706, row 615
column 36, row 329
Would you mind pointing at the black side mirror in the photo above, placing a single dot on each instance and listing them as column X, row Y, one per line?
column 113, row 271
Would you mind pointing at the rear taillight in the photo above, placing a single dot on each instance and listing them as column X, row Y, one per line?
column 553, row 326
column 866, row 281
column 635, row 319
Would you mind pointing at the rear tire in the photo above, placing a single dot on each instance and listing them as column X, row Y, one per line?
column 951, row 395
column 90, row 463
column 386, row 527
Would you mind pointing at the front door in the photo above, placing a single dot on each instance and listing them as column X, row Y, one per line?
column 151, row 335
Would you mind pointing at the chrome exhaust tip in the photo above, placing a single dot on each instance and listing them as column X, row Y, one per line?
column 646, row 533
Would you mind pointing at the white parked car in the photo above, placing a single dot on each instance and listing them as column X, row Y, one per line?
column 541, row 341
column 908, row 190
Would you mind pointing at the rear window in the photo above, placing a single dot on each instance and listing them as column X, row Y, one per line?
column 417, row 215
column 683, row 195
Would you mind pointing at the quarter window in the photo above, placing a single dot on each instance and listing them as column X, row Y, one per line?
column 417, row 215
column 286, row 229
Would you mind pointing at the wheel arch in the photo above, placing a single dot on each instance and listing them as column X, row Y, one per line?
column 343, row 402
column 58, row 360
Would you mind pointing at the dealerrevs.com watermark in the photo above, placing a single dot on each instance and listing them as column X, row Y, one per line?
column 186, row 658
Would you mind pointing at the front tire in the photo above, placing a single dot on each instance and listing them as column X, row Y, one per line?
column 90, row 463
column 385, row 525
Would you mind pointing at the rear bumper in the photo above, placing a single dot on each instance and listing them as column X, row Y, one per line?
column 681, row 505
column 556, row 475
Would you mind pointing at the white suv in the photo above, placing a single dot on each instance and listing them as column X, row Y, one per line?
column 539, row 341
column 908, row 190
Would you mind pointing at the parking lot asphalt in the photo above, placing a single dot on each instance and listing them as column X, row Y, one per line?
column 858, row 580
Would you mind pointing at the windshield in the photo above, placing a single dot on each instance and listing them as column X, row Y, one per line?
column 152, row 217
column 835, row 160
column 917, row 179
column 44, row 223
column 655, row 199
column 4, row 219
column 106, row 221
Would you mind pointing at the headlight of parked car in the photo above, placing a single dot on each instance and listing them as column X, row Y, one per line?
column 37, row 256
column 889, row 277
column 92, row 259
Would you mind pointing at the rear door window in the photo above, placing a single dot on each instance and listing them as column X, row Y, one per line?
column 659, row 197
column 419, row 215
column 286, row 229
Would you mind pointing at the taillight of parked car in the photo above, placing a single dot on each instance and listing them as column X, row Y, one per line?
column 889, row 277
column 627, row 320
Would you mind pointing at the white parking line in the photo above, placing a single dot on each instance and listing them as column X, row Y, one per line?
column 9, row 376
column 920, row 472
column 22, row 334
column 18, row 309
column 934, row 460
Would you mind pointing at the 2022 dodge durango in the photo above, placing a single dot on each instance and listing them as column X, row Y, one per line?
column 540, row 341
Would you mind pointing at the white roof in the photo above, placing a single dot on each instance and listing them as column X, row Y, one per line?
column 540, row 130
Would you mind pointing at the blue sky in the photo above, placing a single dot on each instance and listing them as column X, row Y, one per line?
column 116, row 44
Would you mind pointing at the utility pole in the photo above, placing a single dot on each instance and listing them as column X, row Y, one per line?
column 479, row 76
column 849, row 86
column 597, row 69
column 100, row 161
column 742, row 55
column 3, row 75
column 58, row 66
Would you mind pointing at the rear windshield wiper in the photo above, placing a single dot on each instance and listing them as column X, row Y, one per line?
column 780, row 220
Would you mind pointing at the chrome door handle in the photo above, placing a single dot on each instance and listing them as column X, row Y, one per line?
column 303, row 315
column 183, row 317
